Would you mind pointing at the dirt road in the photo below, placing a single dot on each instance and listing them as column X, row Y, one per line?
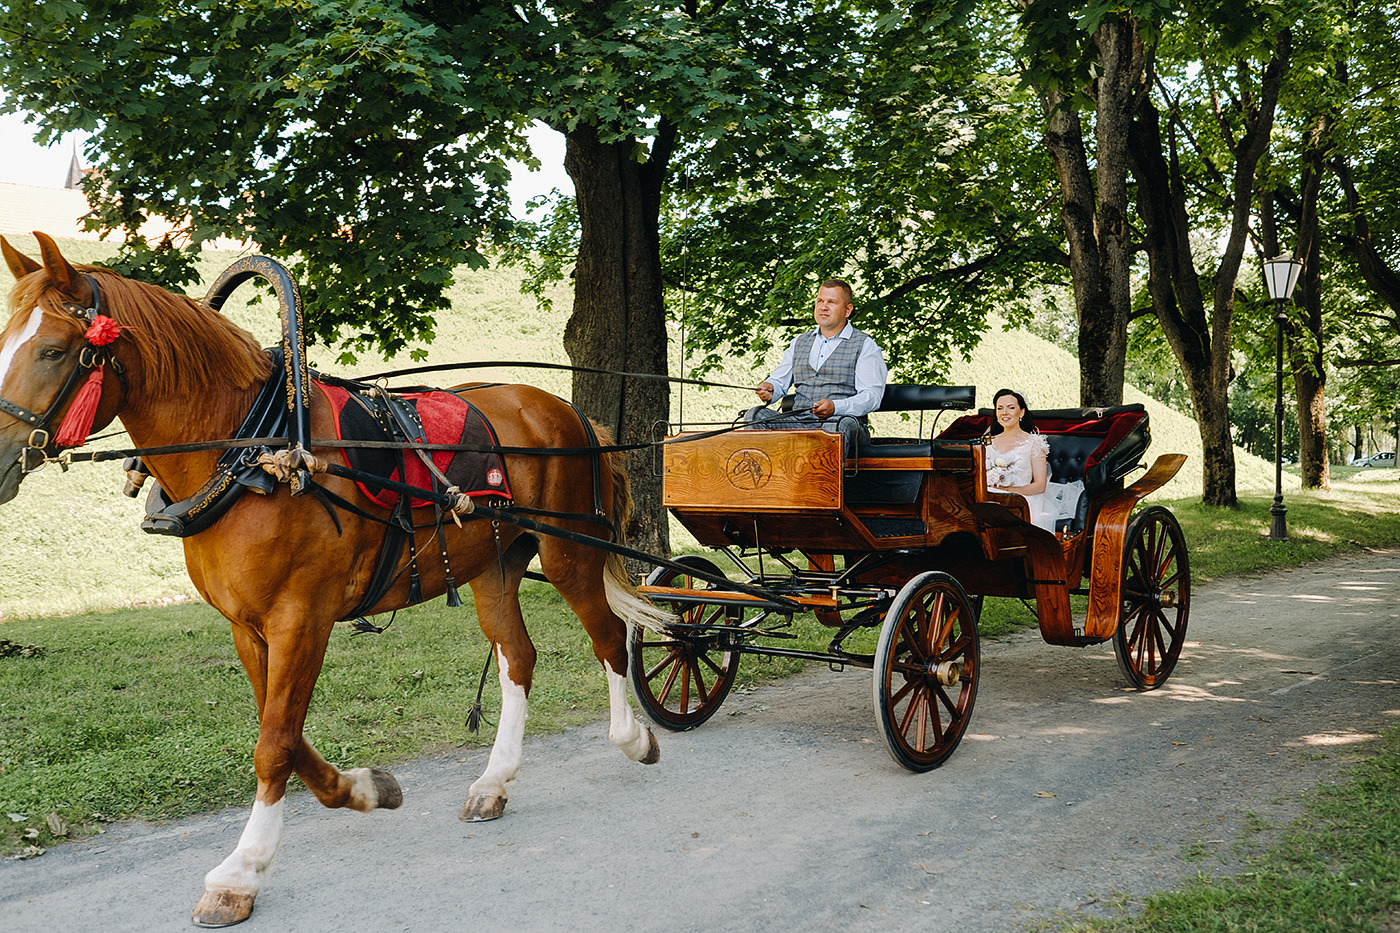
column 786, row 813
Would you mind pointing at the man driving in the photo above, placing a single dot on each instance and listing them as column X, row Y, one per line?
column 839, row 373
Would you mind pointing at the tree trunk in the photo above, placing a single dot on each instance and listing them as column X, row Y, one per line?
column 1200, row 336
column 618, row 321
column 1116, row 92
column 1180, row 307
column 1383, row 280
column 1094, row 210
column 1308, row 344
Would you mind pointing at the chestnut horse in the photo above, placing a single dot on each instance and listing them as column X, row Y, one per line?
column 277, row 566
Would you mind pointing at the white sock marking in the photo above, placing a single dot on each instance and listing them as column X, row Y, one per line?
column 624, row 730
column 504, row 763
column 244, row 871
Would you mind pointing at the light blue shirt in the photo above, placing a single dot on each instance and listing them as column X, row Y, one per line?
column 871, row 373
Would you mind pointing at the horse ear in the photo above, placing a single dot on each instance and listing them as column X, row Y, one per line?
column 64, row 277
column 20, row 264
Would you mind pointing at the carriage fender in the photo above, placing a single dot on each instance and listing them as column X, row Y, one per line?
column 1110, row 536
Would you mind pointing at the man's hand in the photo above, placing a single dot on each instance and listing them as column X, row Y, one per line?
column 824, row 408
column 765, row 391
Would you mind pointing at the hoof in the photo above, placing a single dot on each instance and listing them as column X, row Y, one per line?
column 387, row 790
column 653, row 754
column 221, row 909
column 481, row 809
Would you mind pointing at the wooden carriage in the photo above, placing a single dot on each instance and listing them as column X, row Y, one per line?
column 906, row 537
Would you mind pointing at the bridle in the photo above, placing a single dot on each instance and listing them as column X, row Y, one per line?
column 40, row 445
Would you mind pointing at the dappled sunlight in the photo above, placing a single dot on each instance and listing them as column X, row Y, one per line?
column 1326, row 739
column 1309, row 597
column 1172, row 690
column 1187, row 693
column 1313, row 534
column 1259, row 653
column 1068, row 730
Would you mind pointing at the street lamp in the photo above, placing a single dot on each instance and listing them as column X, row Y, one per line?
column 1280, row 275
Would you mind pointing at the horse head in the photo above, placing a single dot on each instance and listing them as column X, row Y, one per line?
column 54, row 352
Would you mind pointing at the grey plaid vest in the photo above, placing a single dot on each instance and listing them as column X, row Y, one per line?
column 837, row 377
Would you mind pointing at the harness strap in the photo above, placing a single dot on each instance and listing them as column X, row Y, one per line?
column 596, row 457
column 505, row 515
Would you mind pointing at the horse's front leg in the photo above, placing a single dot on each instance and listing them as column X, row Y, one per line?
column 283, row 674
column 486, row 798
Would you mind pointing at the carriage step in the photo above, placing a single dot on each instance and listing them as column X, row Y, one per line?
column 895, row 527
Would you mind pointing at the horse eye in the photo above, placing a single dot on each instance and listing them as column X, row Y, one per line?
column 51, row 353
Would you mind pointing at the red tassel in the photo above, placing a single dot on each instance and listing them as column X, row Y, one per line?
column 77, row 424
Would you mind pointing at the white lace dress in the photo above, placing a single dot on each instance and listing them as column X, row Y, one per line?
column 1014, row 468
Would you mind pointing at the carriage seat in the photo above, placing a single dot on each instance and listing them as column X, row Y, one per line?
column 901, row 487
column 1098, row 446
column 905, row 396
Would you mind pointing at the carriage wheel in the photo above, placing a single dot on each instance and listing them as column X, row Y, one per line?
column 681, row 682
column 926, row 669
column 1156, row 599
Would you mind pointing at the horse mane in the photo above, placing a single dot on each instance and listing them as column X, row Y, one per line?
column 184, row 345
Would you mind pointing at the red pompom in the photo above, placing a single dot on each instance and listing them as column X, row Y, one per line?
column 77, row 424
column 102, row 331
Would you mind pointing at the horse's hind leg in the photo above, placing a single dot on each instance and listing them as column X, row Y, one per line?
column 282, row 676
column 497, row 598
column 578, row 572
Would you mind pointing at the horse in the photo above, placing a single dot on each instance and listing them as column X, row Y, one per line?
column 283, row 569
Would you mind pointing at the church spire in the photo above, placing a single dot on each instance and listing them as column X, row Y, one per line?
column 76, row 171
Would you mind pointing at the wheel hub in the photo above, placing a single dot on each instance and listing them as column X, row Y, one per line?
column 948, row 673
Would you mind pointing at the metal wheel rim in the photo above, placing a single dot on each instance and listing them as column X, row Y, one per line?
column 1156, row 599
column 930, row 624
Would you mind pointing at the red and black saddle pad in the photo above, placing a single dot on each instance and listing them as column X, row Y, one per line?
column 446, row 419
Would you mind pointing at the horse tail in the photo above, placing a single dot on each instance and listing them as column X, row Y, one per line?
column 621, row 592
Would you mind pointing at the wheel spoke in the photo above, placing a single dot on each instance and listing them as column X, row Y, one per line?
column 910, row 638
column 914, row 712
column 897, row 696
column 947, row 701
column 697, row 675
column 672, row 654
column 677, row 666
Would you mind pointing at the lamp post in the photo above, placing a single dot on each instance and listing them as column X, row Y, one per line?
column 1280, row 275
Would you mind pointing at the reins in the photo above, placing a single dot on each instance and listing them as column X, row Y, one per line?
column 75, row 455
column 530, row 364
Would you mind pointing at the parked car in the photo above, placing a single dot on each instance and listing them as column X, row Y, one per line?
column 1385, row 458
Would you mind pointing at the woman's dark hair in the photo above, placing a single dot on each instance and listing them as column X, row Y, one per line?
column 1027, row 423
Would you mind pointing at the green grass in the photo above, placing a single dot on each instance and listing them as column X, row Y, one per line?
column 1337, row 868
